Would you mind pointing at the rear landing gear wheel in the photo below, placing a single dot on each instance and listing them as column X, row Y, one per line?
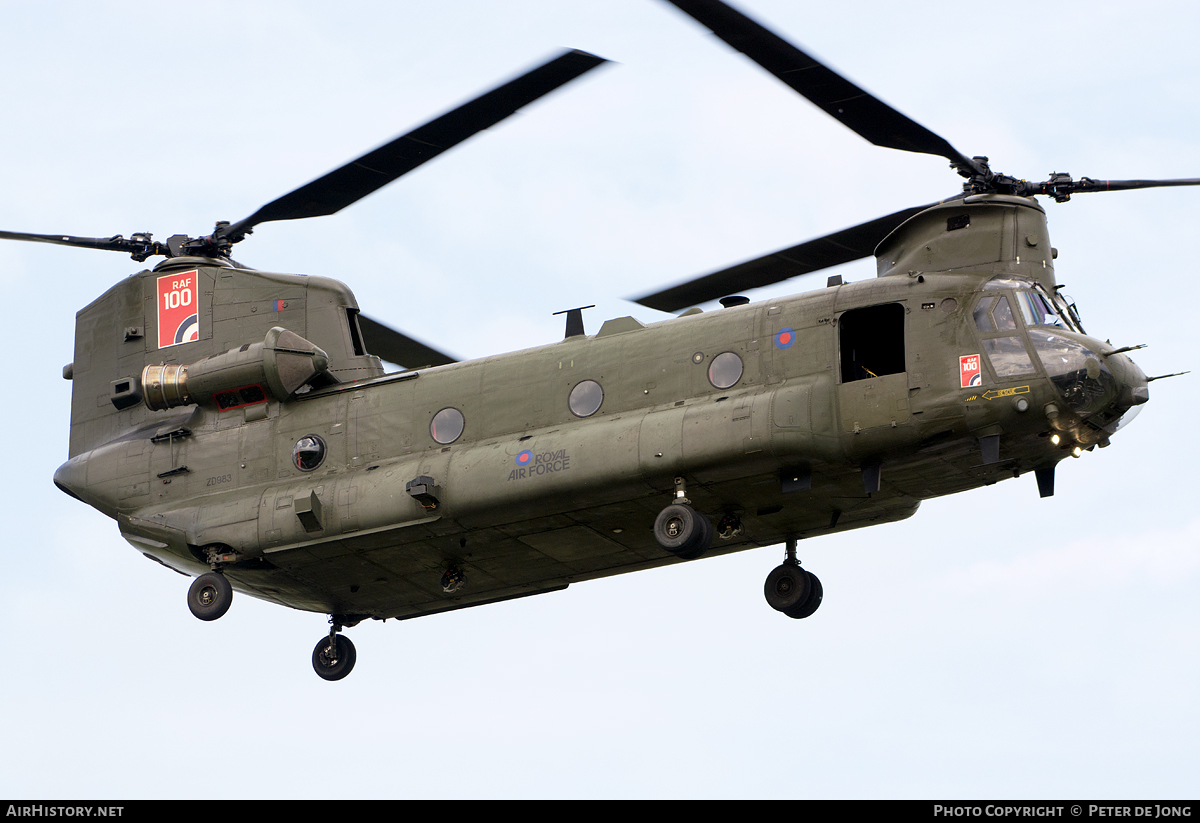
column 787, row 588
column 683, row 531
column 792, row 590
column 210, row 596
column 813, row 602
column 334, row 660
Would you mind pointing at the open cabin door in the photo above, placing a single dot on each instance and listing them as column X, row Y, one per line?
column 873, row 380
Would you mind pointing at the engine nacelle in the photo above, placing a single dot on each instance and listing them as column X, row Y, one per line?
column 274, row 368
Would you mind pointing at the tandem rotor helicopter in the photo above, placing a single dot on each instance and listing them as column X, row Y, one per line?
column 240, row 427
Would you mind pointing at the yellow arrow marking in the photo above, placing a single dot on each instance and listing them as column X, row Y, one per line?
column 992, row 395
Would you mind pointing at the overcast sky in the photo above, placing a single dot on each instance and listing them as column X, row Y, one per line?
column 993, row 645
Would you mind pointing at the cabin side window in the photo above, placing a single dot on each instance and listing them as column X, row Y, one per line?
column 447, row 425
column 585, row 398
column 725, row 370
column 308, row 453
column 872, row 342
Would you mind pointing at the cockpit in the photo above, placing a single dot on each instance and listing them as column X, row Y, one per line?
column 1050, row 334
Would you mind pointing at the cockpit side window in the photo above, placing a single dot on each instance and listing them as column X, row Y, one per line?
column 1037, row 311
column 1003, row 316
column 983, row 314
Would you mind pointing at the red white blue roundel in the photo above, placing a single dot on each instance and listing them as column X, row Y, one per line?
column 189, row 330
column 784, row 338
column 525, row 458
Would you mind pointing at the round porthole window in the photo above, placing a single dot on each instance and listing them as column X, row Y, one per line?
column 447, row 426
column 586, row 398
column 725, row 370
column 308, row 453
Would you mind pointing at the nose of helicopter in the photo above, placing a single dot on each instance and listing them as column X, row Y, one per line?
column 1102, row 391
column 1133, row 390
column 71, row 477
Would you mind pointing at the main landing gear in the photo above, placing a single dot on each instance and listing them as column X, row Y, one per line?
column 334, row 656
column 792, row 590
column 682, row 530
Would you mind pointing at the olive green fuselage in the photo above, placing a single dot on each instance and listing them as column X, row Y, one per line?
column 530, row 496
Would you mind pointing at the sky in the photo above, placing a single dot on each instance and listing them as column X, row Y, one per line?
column 994, row 645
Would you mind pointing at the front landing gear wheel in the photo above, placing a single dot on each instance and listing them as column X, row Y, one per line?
column 210, row 596
column 683, row 531
column 333, row 661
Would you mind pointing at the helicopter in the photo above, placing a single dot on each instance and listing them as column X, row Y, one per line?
column 330, row 411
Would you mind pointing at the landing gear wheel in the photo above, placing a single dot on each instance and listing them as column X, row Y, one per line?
column 813, row 602
column 788, row 588
column 210, row 596
column 704, row 541
column 682, row 531
column 334, row 662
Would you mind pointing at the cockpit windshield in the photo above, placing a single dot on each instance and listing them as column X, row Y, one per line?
column 1038, row 307
column 1080, row 374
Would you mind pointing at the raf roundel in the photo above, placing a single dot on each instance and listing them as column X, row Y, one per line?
column 524, row 458
column 784, row 338
column 189, row 330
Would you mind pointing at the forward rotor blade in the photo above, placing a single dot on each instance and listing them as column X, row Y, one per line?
column 396, row 347
column 1087, row 184
column 850, row 105
column 834, row 249
column 372, row 171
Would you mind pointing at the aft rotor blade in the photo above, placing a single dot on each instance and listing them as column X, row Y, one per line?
column 850, row 105
column 372, row 171
column 135, row 246
column 397, row 347
column 834, row 249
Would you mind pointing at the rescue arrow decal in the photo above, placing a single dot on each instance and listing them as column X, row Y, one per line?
column 992, row 394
